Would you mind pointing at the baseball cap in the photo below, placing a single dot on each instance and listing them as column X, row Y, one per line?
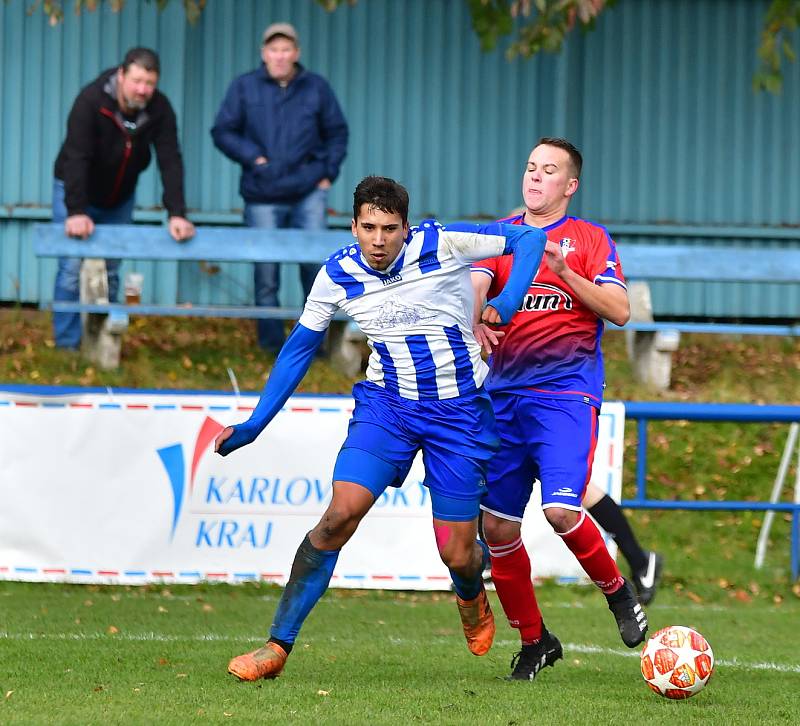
column 285, row 29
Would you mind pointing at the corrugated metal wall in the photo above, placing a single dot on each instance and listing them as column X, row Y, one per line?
column 658, row 98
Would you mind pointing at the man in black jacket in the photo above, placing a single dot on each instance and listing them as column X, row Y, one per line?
column 112, row 124
column 285, row 128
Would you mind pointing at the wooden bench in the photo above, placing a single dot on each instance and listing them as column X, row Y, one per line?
column 651, row 342
column 106, row 321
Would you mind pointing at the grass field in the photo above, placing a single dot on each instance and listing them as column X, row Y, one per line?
column 86, row 654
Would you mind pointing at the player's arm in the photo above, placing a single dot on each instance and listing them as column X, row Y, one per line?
column 487, row 337
column 290, row 366
column 472, row 242
column 607, row 301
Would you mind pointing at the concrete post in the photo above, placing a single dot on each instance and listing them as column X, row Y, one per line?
column 102, row 334
column 650, row 352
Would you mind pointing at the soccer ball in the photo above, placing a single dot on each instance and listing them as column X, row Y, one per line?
column 677, row 662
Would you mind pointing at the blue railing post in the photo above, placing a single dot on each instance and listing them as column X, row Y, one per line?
column 796, row 543
column 641, row 460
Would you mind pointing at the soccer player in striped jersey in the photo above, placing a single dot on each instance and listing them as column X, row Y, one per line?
column 409, row 290
column 546, row 384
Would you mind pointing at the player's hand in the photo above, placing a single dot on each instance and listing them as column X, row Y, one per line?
column 324, row 184
column 223, row 435
column 487, row 337
column 491, row 316
column 554, row 257
column 260, row 161
column 79, row 225
column 180, row 229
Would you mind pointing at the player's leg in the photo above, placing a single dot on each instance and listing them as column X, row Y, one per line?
column 457, row 438
column 509, row 482
column 645, row 566
column 564, row 472
column 309, row 578
column 360, row 476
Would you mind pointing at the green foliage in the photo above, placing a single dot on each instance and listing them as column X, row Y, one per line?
column 777, row 38
column 54, row 9
column 543, row 24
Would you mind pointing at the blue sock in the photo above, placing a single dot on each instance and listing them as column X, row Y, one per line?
column 468, row 588
column 311, row 573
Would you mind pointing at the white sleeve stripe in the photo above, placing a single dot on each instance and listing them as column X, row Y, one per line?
column 607, row 278
column 471, row 246
column 483, row 270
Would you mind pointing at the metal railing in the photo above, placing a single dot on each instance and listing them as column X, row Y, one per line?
column 644, row 412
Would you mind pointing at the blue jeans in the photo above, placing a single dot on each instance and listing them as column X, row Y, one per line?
column 67, row 326
column 310, row 212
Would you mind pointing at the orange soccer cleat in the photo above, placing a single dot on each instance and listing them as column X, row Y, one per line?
column 478, row 622
column 266, row 662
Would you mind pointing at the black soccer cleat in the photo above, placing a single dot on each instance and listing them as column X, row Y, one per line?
column 646, row 581
column 532, row 658
column 631, row 619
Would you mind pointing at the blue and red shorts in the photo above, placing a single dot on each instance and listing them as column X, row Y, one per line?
column 542, row 438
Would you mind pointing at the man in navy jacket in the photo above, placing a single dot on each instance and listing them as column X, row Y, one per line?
column 285, row 128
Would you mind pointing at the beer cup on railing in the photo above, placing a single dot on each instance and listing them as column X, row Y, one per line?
column 133, row 288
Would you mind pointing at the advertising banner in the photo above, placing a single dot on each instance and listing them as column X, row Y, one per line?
column 126, row 488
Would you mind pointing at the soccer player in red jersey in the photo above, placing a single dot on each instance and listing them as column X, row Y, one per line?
column 546, row 384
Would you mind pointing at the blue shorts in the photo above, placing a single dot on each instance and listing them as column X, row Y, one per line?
column 541, row 438
column 457, row 438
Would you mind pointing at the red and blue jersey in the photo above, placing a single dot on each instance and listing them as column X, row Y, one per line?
column 552, row 345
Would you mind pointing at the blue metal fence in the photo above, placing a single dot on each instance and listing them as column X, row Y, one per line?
column 644, row 412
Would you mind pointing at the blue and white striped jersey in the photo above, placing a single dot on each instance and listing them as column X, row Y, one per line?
column 417, row 315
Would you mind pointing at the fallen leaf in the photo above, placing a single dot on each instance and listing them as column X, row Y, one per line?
column 323, row 693
column 112, row 630
column 8, row 694
column 208, row 608
column 742, row 596
column 694, row 597
column 181, row 675
column 162, row 609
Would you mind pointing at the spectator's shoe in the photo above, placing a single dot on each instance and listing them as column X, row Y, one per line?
column 532, row 658
column 266, row 662
column 646, row 581
column 631, row 619
column 478, row 622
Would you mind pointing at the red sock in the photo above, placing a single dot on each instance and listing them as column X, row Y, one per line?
column 511, row 574
column 586, row 543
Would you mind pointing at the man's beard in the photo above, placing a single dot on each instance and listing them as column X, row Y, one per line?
column 134, row 105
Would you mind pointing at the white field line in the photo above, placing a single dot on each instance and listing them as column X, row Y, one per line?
column 215, row 637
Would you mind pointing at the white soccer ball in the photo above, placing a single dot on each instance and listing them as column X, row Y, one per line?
column 677, row 662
